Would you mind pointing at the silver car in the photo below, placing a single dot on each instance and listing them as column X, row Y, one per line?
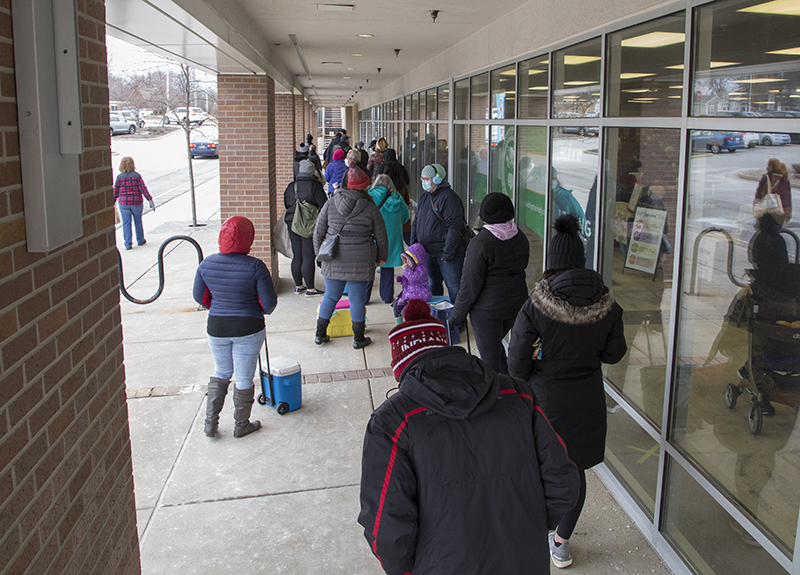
column 775, row 139
column 120, row 125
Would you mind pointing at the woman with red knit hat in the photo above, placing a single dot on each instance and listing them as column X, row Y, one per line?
column 237, row 290
column 353, row 216
column 335, row 171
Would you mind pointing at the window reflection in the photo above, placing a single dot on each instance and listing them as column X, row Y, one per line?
column 502, row 157
column 747, row 60
column 462, row 99
column 412, row 158
column 640, row 205
column 504, row 90
column 443, row 99
column 738, row 358
column 576, row 81
column 533, row 83
column 479, row 97
column 478, row 188
column 646, row 68
column 465, row 163
column 532, row 194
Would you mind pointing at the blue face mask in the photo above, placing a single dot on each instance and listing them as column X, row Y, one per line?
column 427, row 185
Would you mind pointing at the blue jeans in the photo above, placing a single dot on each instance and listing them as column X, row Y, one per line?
column 356, row 291
column 135, row 212
column 448, row 272
column 237, row 357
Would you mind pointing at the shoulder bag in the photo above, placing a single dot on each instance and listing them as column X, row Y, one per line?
column 305, row 216
column 770, row 203
column 330, row 245
column 466, row 234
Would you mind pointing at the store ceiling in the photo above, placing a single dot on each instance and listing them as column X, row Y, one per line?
column 256, row 36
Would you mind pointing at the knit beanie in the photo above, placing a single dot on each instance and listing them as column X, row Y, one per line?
column 306, row 168
column 236, row 235
column 566, row 247
column 432, row 169
column 302, row 148
column 420, row 332
column 338, row 154
column 357, row 179
column 496, row 208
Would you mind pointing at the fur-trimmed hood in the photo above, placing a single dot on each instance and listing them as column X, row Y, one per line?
column 575, row 297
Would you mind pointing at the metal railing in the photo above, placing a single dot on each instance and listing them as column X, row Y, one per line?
column 700, row 236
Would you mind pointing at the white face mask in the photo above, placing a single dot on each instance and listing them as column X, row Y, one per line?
column 427, row 185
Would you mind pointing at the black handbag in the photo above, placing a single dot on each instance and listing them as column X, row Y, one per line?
column 330, row 245
column 466, row 234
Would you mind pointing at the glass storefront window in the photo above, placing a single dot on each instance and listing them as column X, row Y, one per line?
column 573, row 183
column 731, row 349
column 412, row 159
column 429, row 145
column 645, row 69
column 532, row 87
column 479, row 185
column 641, row 197
column 503, row 94
column 432, row 106
column 442, row 146
column 709, row 540
column 422, row 106
column 407, row 108
column 461, row 103
column 443, row 99
column 415, row 106
column 532, row 194
column 501, row 160
column 747, row 59
column 479, row 97
column 576, row 81
column 465, row 163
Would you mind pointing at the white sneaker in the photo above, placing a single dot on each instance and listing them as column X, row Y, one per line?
column 559, row 553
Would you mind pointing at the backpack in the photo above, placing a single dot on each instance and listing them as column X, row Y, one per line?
column 305, row 216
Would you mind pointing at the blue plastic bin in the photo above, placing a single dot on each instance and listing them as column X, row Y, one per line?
column 284, row 390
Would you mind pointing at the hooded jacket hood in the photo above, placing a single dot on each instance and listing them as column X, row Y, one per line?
column 418, row 251
column 389, row 156
column 576, row 297
column 350, row 202
column 236, row 235
column 392, row 204
column 451, row 383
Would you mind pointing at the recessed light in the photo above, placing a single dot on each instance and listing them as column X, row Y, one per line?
column 761, row 80
column 722, row 64
column 633, row 75
column 578, row 83
column 642, row 91
column 787, row 52
column 575, row 60
column 779, row 7
column 654, row 40
column 356, row 55
column 677, row 87
column 675, row 67
column 331, row 63
column 365, row 35
column 351, row 68
column 345, row 77
column 336, row 7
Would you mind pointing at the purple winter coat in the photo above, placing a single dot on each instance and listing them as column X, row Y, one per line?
column 415, row 278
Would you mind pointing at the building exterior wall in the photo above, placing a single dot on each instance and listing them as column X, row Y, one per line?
column 66, row 482
column 248, row 174
column 285, row 141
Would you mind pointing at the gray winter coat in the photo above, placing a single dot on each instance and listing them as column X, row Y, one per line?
column 362, row 241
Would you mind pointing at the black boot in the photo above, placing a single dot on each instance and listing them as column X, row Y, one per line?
column 322, row 331
column 217, row 390
column 359, row 340
column 242, row 406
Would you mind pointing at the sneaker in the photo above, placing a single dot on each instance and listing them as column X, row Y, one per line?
column 141, row 243
column 299, row 290
column 559, row 553
column 128, row 247
column 767, row 410
column 314, row 292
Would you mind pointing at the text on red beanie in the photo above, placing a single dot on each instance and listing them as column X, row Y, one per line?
column 236, row 236
column 420, row 332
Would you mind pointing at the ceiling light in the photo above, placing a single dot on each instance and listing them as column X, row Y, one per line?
column 545, row 62
column 643, row 99
column 654, row 40
column 779, row 7
column 774, row 91
column 335, row 7
column 579, row 83
column 761, row 80
column 633, row 75
column 351, row 68
column 509, row 73
column 787, row 52
column 331, row 63
column 737, row 93
column 545, row 88
column 677, row 87
column 678, row 97
column 675, row 67
column 794, row 95
column 642, row 91
column 722, row 64
column 575, row 60
column 357, row 55
column 534, row 72
column 365, row 35
column 737, row 98
column 345, row 77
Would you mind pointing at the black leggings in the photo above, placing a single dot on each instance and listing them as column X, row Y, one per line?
column 303, row 260
column 567, row 524
column 489, row 329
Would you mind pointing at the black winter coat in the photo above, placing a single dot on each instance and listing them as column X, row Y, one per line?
column 309, row 189
column 439, row 236
column 580, row 326
column 462, row 473
column 493, row 278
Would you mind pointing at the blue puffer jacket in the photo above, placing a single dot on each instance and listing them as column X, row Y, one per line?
column 240, row 286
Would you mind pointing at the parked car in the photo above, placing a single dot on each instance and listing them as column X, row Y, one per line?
column 132, row 117
column 178, row 116
column 205, row 143
column 714, row 141
column 774, row 139
column 751, row 139
column 121, row 125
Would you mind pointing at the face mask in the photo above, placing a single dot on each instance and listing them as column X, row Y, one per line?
column 427, row 185
column 553, row 184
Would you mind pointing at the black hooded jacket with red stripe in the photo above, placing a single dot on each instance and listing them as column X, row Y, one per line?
column 462, row 472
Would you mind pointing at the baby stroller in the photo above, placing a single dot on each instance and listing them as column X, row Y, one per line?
column 772, row 370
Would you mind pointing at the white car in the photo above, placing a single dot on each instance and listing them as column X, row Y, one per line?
column 120, row 125
column 178, row 116
column 774, row 139
column 751, row 139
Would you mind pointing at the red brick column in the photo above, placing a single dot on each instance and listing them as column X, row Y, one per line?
column 299, row 119
column 247, row 169
column 66, row 480
column 285, row 140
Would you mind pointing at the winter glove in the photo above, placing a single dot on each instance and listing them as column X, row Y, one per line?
column 152, row 205
column 453, row 324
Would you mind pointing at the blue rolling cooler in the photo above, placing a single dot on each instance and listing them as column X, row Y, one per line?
column 443, row 313
column 281, row 384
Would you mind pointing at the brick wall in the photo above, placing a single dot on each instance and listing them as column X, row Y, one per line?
column 66, row 481
column 285, row 140
column 247, row 169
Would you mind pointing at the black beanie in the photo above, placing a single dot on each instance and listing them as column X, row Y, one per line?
column 566, row 247
column 496, row 208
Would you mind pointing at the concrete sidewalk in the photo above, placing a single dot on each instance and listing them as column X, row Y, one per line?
column 283, row 499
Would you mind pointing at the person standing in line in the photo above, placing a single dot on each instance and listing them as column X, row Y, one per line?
column 353, row 216
column 399, row 175
column 395, row 213
column 237, row 290
column 570, row 325
column 493, row 286
column 306, row 188
column 129, row 189
column 376, row 159
column 335, row 171
column 363, row 155
column 438, row 226
column 461, row 472
column 776, row 180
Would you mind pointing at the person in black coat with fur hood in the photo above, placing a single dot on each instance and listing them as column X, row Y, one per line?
column 461, row 471
column 569, row 326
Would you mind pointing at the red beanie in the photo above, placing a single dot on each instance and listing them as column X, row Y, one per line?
column 236, row 236
column 338, row 154
column 420, row 332
column 357, row 179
